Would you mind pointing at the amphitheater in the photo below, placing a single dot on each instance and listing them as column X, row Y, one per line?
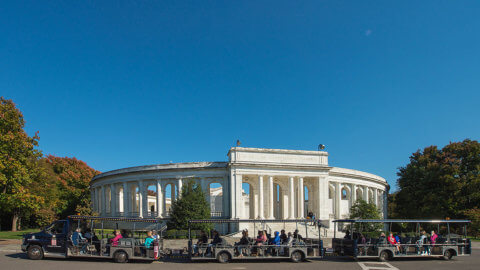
column 255, row 183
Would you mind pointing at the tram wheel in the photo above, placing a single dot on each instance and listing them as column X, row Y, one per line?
column 120, row 257
column 35, row 252
column 384, row 256
column 297, row 256
column 223, row 257
column 448, row 255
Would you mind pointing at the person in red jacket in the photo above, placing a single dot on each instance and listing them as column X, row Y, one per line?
column 391, row 239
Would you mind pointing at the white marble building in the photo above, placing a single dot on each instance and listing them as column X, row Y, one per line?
column 279, row 183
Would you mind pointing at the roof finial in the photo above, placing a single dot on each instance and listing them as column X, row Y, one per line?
column 238, row 143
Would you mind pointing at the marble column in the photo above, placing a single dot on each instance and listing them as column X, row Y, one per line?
column 365, row 194
column 385, row 202
column 97, row 198
column 164, row 201
column 126, row 209
column 260, row 197
column 113, row 200
column 301, row 198
column 94, row 199
column 271, row 194
column 159, row 200
column 236, row 207
column 375, row 197
column 103, row 198
column 144, row 200
column 179, row 185
column 353, row 194
column 322, row 198
column 140, row 199
column 338, row 199
column 291, row 199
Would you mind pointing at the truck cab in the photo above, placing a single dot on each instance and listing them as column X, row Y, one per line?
column 50, row 242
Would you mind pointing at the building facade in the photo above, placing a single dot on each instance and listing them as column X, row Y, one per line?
column 255, row 183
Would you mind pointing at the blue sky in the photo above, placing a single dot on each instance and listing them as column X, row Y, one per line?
column 126, row 83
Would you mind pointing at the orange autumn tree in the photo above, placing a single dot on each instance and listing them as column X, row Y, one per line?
column 73, row 182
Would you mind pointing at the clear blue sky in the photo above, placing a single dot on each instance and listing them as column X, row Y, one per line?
column 126, row 83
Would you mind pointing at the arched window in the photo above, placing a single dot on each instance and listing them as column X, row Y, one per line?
column 344, row 194
column 216, row 200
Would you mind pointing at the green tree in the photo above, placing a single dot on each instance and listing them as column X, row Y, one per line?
column 44, row 185
column 440, row 183
column 474, row 216
column 18, row 162
column 363, row 210
column 191, row 205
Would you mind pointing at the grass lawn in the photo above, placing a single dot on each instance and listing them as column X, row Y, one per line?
column 15, row 235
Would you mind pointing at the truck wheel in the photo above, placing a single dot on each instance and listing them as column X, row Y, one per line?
column 120, row 257
column 448, row 255
column 384, row 256
column 35, row 252
column 223, row 257
column 297, row 256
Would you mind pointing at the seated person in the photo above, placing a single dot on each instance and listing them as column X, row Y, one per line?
column 382, row 239
column 422, row 242
column 244, row 241
column 297, row 236
column 79, row 241
column 261, row 238
column 283, row 236
column 289, row 242
column 114, row 241
column 391, row 239
column 276, row 241
column 215, row 241
column 124, row 233
column 201, row 241
column 149, row 240
column 88, row 234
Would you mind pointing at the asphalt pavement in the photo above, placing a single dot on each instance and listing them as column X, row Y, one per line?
column 17, row 260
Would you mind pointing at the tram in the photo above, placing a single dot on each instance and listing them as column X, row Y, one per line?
column 61, row 239
column 365, row 238
column 249, row 246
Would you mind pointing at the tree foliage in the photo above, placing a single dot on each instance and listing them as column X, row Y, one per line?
column 18, row 157
column 474, row 216
column 439, row 183
column 36, row 190
column 363, row 210
column 191, row 205
column 73, row 181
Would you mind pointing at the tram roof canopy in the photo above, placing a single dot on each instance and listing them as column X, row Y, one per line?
column 250, row 220
column 403, row 220
column 124, row 219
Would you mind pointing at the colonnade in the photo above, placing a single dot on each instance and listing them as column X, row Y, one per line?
column 130, row 198
column 293, row 197
column 349, row 192
column 270, row 197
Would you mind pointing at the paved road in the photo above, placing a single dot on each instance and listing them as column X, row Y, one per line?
column 14, row 260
